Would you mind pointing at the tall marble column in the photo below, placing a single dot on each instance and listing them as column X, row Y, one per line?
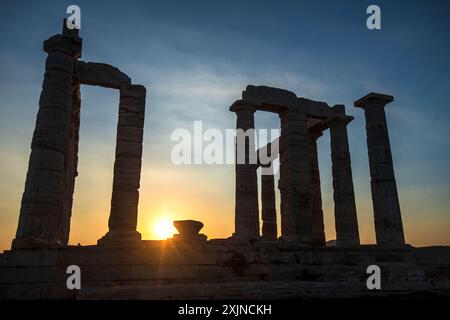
column 127, row 167
column 386, row 207
column 318, row 229
column 269, row 211
column 41, row 213
column 295, row 178
column 246, row 192
column 346, row 220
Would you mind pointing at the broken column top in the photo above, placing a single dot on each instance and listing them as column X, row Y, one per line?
column 373, row 99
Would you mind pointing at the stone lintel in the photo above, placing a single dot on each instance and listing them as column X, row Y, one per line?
column 243, row 105
column 269, row 95
column 314, row 109
column 373, row 99
column 317, row 128
column 339, row 120
column 101, row 74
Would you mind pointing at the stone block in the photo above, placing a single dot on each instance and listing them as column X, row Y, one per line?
column 130, row 119
column 132, row 104
column 133, row 91
column 130, row 134
column 55, row 99
column 269, row 95
column 128, row 149
column 56, row 79
column 46, row 159
column 127, row 165
column 101, row 74
column 49, row 138
column 61, row 62
column 52, row 118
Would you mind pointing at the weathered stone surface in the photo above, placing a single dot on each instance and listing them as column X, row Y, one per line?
column 296, row 205
column 174, row 270
column 246, row 192
column 269, row 212
column 267, row 95
column 101, row 74
column 386, row 206
column 127, row 167
column 188, row 227
column 318, row 228
column 346, row 221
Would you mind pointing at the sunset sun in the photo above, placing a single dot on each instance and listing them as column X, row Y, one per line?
column 163, row 228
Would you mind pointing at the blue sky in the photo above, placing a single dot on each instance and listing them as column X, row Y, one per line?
column 196, row 57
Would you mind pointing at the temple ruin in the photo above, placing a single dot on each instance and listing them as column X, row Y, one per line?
column 247, row 265
column 46, row 208
column 303, row 121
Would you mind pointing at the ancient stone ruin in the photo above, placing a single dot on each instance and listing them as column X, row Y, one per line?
column 246, row 265
column 303, row 121
column 47, row 200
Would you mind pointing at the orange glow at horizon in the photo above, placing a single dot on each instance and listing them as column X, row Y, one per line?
column 162, row 228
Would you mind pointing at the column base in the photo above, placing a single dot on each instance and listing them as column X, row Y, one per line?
column 27, row 243
column 120, row 239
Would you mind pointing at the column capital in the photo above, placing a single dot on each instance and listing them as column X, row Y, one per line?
column 242, row 105
column 373, row 99
column 68, row 45
column 316, row 131
column 339, row 121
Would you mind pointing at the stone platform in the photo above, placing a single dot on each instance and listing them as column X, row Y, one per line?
column 223, row 269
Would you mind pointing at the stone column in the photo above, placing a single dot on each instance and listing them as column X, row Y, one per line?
column 318, row 232
column 346, row 220
column 295, row 184
column 70, row 163
column 41, row 213
column 386, row 207
column 127, row 167
column 246, row 203
column 269, row 211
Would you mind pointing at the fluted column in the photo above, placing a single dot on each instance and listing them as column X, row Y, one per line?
column 127, row 167
column 246, row 192
column 346, row 220
column 386, row 207
column 269, row 211
column 295, row 179
column 318, row 232
column 42, row 210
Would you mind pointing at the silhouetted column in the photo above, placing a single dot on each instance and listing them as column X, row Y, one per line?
column 71, row 163
column 295, row 170
column 246, row 203
column 386, row 207
column 318, row 232
column 127, row 167
column 41, row 214
column 346, row 220
column 269, row 212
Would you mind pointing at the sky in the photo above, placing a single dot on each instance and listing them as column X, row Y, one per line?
column 195, row 58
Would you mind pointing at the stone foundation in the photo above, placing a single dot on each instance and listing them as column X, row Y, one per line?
column 222, row 269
